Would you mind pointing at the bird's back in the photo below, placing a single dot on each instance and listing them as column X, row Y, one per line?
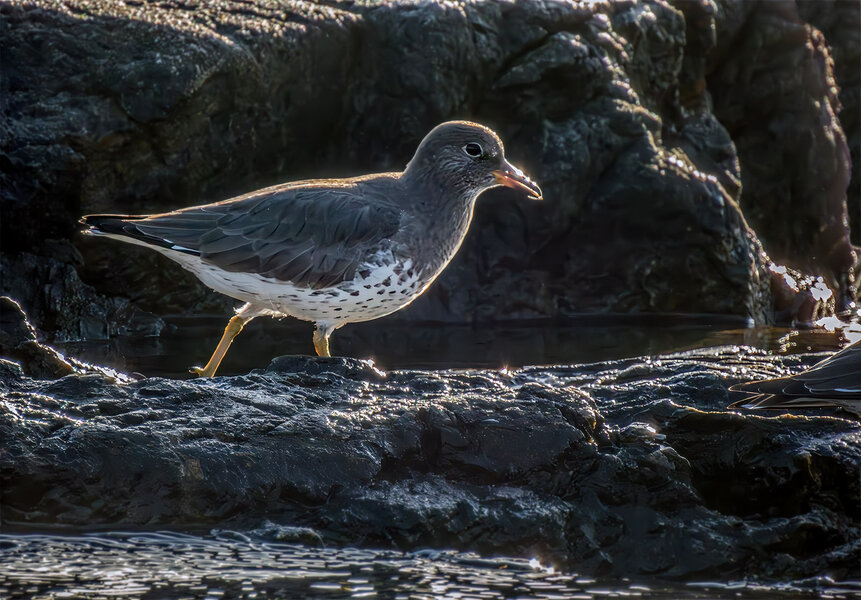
column 313, row 234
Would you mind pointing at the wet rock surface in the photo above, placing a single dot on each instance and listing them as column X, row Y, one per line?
column 624, row 468
column 143, row 108
column 18, row 342
column 64, row 307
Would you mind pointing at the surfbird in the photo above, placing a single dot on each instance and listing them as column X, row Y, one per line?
column 332, row 251
column 833, row 382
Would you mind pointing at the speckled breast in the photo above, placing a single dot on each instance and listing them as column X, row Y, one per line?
column 377, row 290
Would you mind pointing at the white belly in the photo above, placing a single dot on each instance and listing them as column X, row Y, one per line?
column 381, row 293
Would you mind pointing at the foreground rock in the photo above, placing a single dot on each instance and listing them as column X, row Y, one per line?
column 115, row 107
column 18, row 342
column 628, row 468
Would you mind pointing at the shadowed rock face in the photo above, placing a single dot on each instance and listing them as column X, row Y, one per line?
column 772, row 81
column 838, row 21
column 585, row 466
column 63, row 305
column 114, row 107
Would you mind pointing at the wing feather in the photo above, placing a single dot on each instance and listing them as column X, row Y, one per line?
column 836, row 381
column 313, row 235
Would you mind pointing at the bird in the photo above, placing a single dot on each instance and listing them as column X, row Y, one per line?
column 833, row 382
column 331, row 251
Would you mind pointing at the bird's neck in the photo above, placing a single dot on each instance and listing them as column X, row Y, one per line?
column 436, row 192
column 444, row 211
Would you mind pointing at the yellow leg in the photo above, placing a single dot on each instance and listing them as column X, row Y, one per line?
column 321, row 340
column 234, row 326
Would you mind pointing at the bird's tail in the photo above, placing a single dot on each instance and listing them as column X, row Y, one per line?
column 131, row 228
column 108, row 224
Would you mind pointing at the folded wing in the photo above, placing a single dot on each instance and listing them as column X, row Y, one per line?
column 310, row 235
column 836, row 381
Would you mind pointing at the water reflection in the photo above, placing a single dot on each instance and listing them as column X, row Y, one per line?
column 230, row 565
column 399, row 345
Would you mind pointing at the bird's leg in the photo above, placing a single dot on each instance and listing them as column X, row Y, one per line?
column 234, row 326
column 321, row 339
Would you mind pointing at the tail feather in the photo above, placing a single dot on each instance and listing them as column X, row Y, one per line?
column 108, row 223
column 124, row 226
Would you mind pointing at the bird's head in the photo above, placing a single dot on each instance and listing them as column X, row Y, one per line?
column 468, row 157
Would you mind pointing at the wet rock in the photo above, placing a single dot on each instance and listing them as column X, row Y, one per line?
column 123, row 108
column 311, row 366
column 64, row 307
column 18, row 342
column 800, row 299
column 771, row 79
column 580, row 465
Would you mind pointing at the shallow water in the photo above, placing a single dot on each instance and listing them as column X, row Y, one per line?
column 231, row 565
column 400, row 345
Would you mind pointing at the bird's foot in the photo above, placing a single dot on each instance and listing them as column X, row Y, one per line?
column 201, row 371
column 321, row 339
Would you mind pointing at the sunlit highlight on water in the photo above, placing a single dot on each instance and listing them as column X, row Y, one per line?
column 172, row 565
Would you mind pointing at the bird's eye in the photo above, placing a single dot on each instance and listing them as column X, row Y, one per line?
column 472, row 149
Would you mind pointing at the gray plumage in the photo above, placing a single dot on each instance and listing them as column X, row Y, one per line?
column 332, row 251
column 833, row 382
column 314, row 235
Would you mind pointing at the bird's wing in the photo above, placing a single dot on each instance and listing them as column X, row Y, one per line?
column 835, row 381
column 840, row 372
column 311, row 235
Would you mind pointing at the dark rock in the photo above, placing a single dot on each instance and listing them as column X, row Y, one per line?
column 799, row 299
column 771, row 79
column 66, row 308
column 18, row 342
column 310, row 366
column 839, row 22
column 123, row 108
column 583, row 465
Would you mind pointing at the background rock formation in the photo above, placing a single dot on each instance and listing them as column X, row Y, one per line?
column 838, row 22
column 113, row 106
column 773, row 85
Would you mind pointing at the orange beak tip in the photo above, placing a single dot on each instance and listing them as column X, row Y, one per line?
column 518, row 181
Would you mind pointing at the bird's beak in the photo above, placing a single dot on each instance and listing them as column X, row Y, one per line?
column 511, row 176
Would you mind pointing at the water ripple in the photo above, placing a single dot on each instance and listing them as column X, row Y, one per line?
column 230, row 565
